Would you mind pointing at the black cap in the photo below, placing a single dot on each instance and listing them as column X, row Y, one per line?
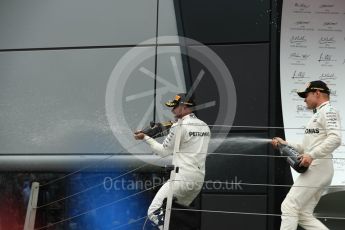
column 312, row 87
column 180, row 98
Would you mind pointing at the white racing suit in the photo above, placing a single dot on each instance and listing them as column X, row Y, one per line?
column 322, row 136
column 190, row 157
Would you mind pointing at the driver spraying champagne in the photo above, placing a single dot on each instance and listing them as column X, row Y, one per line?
column 322, row 136
column 189, row 157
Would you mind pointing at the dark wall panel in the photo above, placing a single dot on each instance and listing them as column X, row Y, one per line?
column 233, row 203
column 329, row 205
column 223, row 21
column 238, row 169
column 249, row 67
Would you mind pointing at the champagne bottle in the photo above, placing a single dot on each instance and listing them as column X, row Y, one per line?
column 292, row 157
column 159, row 129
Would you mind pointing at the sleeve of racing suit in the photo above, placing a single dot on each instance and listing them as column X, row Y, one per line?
column 167, row 147
column 331, row 122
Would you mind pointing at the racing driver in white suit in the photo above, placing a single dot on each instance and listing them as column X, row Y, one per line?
column 321, row 137
column 190, row 157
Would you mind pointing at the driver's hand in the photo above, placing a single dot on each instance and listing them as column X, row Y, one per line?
column 306, row 160
column 139, row 135
column 277, row 140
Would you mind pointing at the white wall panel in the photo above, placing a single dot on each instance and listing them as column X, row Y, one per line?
column 64, row 23
column 54, row 101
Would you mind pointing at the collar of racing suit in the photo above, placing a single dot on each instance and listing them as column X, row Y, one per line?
column 317, row 109
column 188, row 115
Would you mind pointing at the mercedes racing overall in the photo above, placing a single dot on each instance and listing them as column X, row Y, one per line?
column 190, row 158
column 322, row 136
